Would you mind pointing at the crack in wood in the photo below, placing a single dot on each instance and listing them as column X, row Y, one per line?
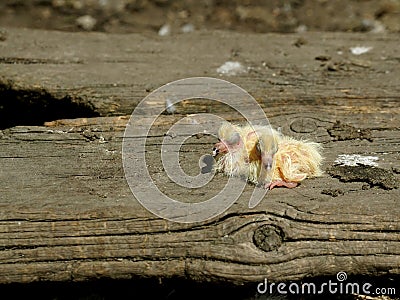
column 35, row 106
column 31, row 61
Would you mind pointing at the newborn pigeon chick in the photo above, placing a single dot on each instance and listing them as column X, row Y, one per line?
column 233, row 162
column 293, row 161
column 262, row 146
column 272, row 159
column 237, row 145
column 229, row 139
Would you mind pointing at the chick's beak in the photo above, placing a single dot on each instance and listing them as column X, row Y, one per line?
column 267, row 160
column 219, row 147
column 215, row 152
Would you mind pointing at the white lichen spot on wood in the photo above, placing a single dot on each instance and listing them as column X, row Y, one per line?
column 164, row 30
column 356, row 159
column 360, row 50
column 231, row 68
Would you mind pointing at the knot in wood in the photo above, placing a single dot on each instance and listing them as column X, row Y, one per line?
column 268, row 237
column 303, row 125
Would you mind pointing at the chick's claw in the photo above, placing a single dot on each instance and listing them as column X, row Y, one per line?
column 278, row 183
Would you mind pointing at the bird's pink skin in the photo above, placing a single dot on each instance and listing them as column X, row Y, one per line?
column 221, row 147
column 277, row 183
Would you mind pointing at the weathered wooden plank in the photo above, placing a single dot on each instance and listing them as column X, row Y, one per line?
column 66, row 211
column 111, row 73
column 80, row 212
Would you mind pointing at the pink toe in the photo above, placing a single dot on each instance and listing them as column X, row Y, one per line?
column 282, row 183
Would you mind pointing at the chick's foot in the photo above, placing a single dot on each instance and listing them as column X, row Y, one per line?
column 279, row 183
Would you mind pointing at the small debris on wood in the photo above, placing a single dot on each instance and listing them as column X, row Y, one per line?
column 300, row 42
column 86, row 22
column 301, row 28
column 323, row 57
column 51, row 131
column 231, row 68
column 361, row 63
column 332, row 192
column 91, row 136
column 236, row 52
column 337, row 66
column 344, row 132
column 164, row 30
column 370, row 25
column 148, row 87
column 171, row 134
column 333, row 65
column 379, row 177
column 359, row 50
column 187, row 28
column 3, row 35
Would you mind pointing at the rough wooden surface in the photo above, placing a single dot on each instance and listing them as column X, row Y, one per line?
column 66, row 211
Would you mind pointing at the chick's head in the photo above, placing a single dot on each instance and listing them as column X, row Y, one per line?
column 266, row 147
column 229, row 139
